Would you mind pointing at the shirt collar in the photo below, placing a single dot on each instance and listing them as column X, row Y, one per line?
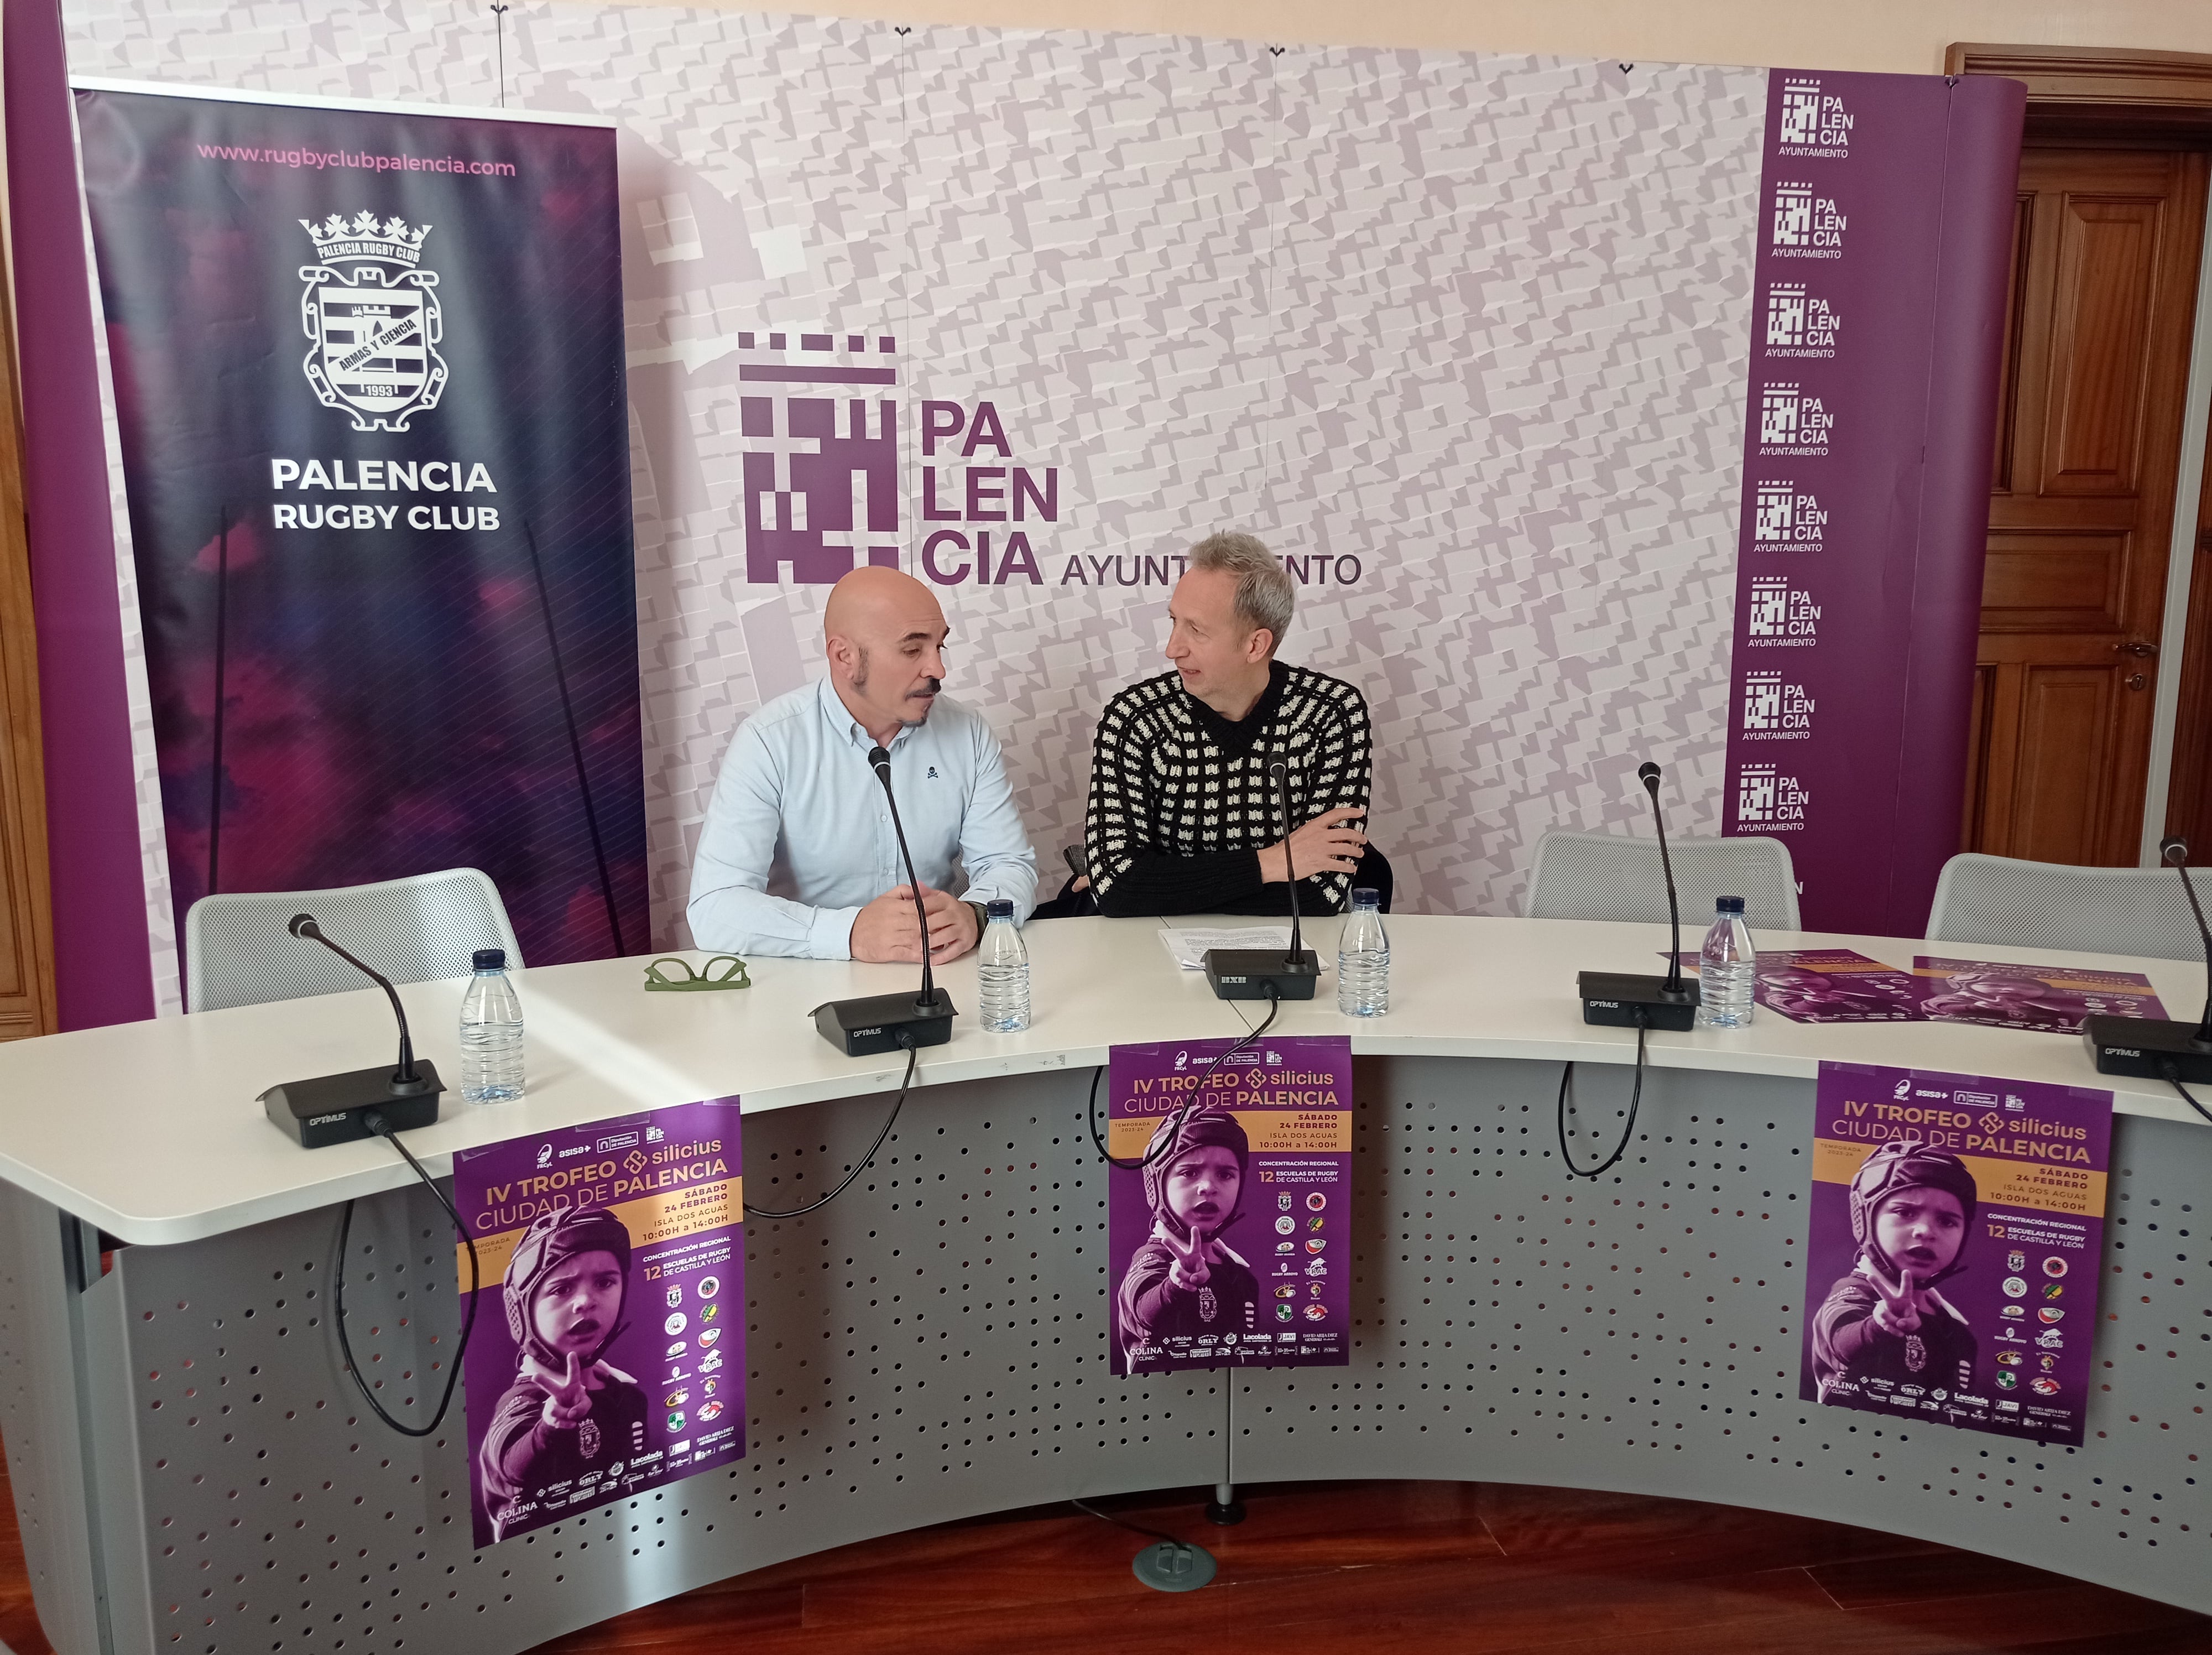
column 841, row 722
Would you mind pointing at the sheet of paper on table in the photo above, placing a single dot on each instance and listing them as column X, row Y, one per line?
column 1189, row 947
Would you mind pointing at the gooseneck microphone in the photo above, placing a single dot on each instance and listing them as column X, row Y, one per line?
column 880, row 761
column 336, row 1108
column 2157, row 1048
column 405, row 1082
column 1621, row 1000
column 1648, row 774
column 2175, row 851
column 900, row 1022
column 1260, row 973
column 1279, row 778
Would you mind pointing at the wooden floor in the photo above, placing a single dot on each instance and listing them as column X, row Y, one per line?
column 1384, row 1568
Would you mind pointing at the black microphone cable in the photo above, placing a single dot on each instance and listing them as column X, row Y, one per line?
column 1090, row 1112
column 1628, row 1131
column 2172, row 1075
column 373, row 1120
column 913, row 1055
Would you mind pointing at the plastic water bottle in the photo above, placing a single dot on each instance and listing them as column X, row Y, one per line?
column 1728, row 970
column 1002, row 971
column 1363, row 959
column 491, row 1033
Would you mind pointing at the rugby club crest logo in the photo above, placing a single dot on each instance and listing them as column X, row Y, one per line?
column 372, row 316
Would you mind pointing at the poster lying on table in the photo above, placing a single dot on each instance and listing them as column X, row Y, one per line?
column 1957, row 1224
column 1229, row 1218
column 1830, row 985
column 2045, row 999
column 609, row 1354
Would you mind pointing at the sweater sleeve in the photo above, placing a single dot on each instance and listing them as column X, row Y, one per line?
column 1845, row 1331
column 1130, row 872
column 1343, row 774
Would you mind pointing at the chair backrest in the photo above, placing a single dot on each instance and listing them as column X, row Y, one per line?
column 2097, row 911
column 418, row 929
column 1599, row 876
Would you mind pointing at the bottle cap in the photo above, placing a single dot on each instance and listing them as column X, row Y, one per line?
column 491, row 959
column 1729, row 906
column 1366, row 897
column 999, row 907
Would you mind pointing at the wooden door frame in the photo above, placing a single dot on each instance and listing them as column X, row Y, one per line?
column 2090, row 95
column 2118, row 91
column 23, row 867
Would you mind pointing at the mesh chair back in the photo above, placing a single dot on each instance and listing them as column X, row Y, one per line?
column 419, row 929
column 1598, row 876
column 2098, row 910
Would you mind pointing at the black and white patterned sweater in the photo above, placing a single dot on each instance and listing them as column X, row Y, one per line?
column 1180, row 806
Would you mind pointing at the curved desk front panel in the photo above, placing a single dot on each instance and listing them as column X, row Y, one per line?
column 932, row 1345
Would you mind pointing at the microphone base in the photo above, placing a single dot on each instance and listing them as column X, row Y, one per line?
column 2152, row 1048
column 1255, row 973
column 328, row 1108
column 882, row 1023
column 1615, row 1000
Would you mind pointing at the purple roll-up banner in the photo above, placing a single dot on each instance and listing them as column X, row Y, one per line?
column 1885, row 216
column 1951, row 1269
column 374, row 443
column 102, row 969
column 1230, row 1247
column 609, row 1351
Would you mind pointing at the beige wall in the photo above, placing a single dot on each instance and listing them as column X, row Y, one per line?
column 1905, row 36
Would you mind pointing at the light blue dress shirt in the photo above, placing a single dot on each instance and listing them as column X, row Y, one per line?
column 798, row 838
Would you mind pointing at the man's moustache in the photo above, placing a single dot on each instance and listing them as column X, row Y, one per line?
column 935, row 686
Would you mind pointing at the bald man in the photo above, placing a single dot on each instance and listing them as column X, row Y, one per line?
column 797, row 856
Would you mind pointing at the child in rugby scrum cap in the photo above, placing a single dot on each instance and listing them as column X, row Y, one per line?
column 567, row 1412
column 1912, row 1207
column 1184, row 1280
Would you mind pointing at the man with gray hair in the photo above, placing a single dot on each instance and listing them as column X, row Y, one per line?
column 1182, row 819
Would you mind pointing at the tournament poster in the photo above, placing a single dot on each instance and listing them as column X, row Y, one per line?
column 2044, row 998
column 1951, row 1269
column 1829, row 985
column 1230, row 1247
column 608, row 1352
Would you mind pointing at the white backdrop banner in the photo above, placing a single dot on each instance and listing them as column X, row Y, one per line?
column 1464, row 337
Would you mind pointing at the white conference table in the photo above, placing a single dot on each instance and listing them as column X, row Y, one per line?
column 933, row 1344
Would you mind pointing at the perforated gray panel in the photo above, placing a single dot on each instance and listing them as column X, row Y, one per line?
column 1604, row 876
column 928, row 1347
column 933, row 1345
column 2101, row 910
column 1642, row 1334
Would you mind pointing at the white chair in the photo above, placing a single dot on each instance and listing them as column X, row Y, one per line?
column 2098, row 910
column 1600, row 876
column 418, row 929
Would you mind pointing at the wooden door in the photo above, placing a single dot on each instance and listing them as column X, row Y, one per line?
column 2105, row 244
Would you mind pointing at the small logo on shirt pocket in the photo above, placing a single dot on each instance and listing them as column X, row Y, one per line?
column 931, row 776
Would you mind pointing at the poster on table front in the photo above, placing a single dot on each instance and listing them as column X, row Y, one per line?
column 609, row 1351
column 370, row 410
column 1951, row 1271
column 1229, row 1222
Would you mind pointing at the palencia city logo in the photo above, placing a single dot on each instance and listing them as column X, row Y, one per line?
column 373, row 317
